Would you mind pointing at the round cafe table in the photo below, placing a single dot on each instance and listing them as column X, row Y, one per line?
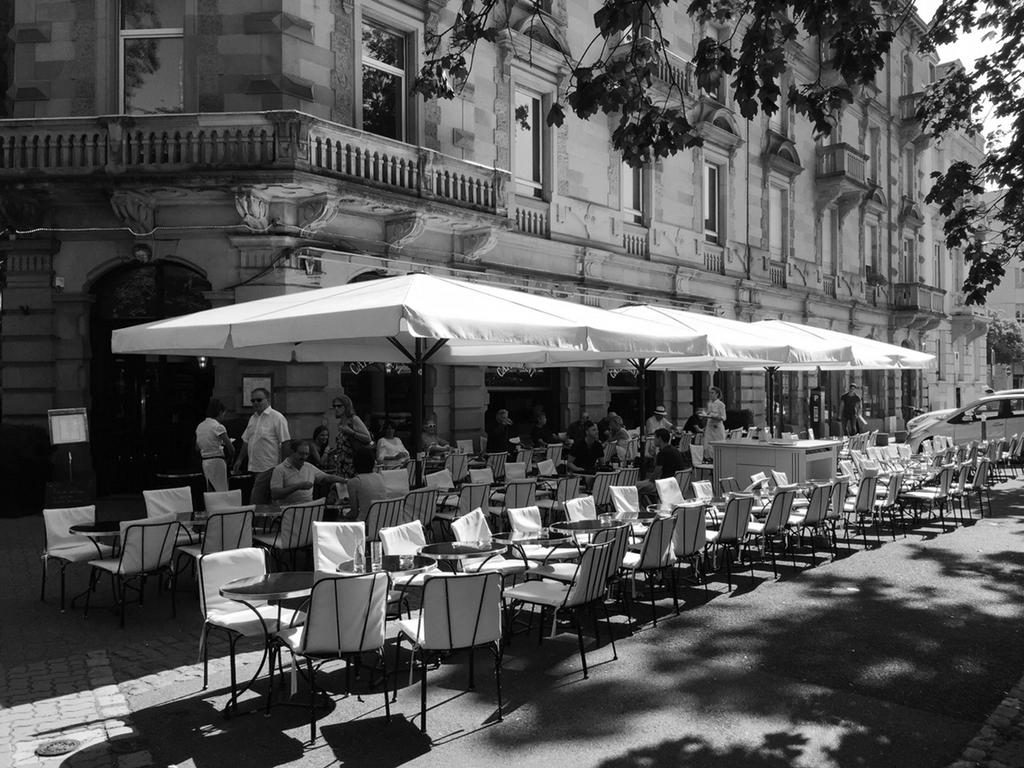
column 452, row 553
column 586, row 526
column 396, row 565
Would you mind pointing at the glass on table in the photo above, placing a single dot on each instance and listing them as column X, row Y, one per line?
column 376, row 553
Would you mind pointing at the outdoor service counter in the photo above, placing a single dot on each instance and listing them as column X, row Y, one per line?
column 801, row 460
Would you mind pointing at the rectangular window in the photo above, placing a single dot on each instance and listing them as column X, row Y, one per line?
column 940, row 359
column 909, row 173
column 712, row 203
column 1018, row 278
column 384, row 99
column 875, row 160
column 829, row 242
column 778, row 217
column 871, row 248
column 152, row 56
column 937, row 267
column 529, row 144
column 634, row 201
column 1019, row 313
column 907, row 261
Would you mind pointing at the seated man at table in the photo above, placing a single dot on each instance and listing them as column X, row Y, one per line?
column 292, row 481
column 667, row 462
column 430, row 442
column 577, row 429
column 542, row 435
column 586, row 454
column 500, row 432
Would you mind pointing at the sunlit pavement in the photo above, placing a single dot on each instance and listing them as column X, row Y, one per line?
column 904, row 655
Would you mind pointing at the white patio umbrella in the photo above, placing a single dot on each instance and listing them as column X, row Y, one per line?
column 732, row 345
column 410, row 319
column 867, row 354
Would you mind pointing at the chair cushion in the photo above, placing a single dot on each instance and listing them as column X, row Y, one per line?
column 540, row 592
column 412, row 629
column 496, row 564
column 546, row 554
column 244, row 621
column 107, row 564
column 192, row 550
column 755, row 528
column 631, row 561
column 564, row 572
column 80, row 553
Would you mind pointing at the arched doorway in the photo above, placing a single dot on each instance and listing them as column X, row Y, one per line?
column 144, row 409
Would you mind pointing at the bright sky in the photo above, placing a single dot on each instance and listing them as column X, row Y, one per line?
column 967, row 48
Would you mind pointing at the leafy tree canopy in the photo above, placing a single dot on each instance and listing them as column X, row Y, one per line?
column 616, row 72
column 1005, row 341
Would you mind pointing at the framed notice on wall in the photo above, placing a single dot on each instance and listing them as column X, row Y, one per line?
column 249, row 383
column 68, row 426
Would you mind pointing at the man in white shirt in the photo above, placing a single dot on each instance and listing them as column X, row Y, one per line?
column 292, row 481
column 214, row 446
column 262, row 443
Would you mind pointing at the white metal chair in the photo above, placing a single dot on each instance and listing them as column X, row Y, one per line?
column 527, row 520
column 170, row 501
column 457, row 465
column 235, row 619
column 581, row 508
column 669, row 492
column 230, row 528
column 655, row 556
column 295, row 533
column 774, row 524
column 405, row 539
column 567, row 487
column 517, row 493
column 473, row 527
column 496, row 463
column 600, row 489
column 383, row 513
column 346, row 619
column 733, row 531
column 336, row 543
column 421, row 505
column 587, row 589
column 812, row 517
column 147, row 547
column 460, row 612
column 64, row 547
column 215, row 501
column 689, row 538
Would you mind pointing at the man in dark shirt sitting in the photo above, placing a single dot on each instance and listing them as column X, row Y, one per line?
column 667, row 462
column 586, row 454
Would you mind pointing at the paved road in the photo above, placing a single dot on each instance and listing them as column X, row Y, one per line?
column 906, row 655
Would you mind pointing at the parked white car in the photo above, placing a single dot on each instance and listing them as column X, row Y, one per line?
column 1002, row 413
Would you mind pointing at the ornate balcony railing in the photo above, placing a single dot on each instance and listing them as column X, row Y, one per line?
column 828, row 285
column 777, row 273
column 634, row 240
column 917, row 297
column 841, row 160
column 282, row 140
column 532, row 216
column 714, row 258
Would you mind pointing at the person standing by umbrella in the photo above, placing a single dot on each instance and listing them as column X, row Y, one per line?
column 351, row 435
column 849, row 410
column 262, row 443
column 714, row 416
column 214, row 446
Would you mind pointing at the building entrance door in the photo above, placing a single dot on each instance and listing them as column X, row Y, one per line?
column 144, row 410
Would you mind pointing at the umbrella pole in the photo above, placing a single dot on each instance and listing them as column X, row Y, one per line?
column 417, row 359
column 769, row 375
column 640, row 366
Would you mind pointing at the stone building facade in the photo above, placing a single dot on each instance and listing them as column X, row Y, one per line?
column 160, row 156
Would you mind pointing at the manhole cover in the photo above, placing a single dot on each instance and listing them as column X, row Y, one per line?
column 58, row 747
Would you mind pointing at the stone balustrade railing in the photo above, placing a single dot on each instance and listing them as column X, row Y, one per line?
column 244, row 140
